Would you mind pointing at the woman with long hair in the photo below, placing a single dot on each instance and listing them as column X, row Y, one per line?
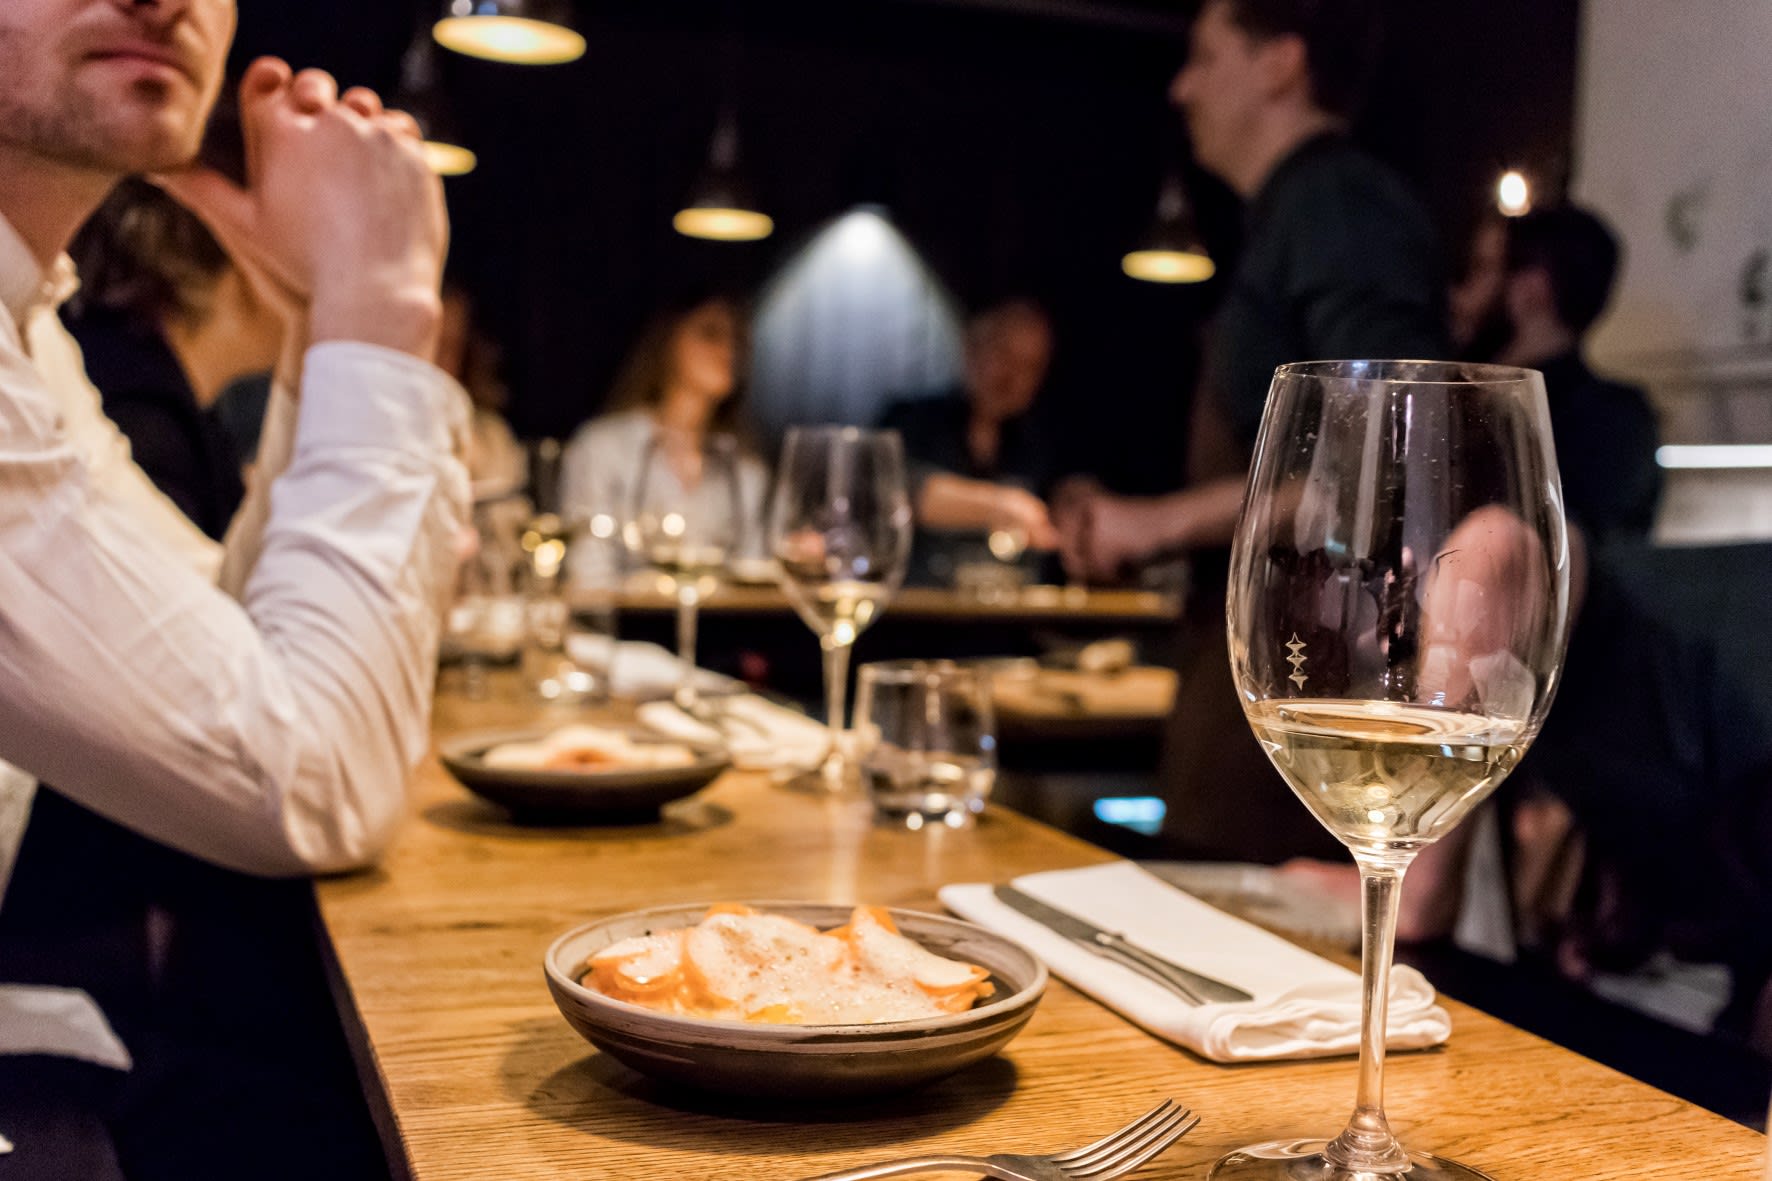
column 680, row 386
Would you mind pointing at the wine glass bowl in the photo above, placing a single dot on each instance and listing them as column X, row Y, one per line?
column 840, row 530
column 684, row 525
column 1397, row 613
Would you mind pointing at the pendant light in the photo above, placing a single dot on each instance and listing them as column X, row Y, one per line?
column 721, row 207
column 518, row 32
column 421, row 96
column 1170, row 251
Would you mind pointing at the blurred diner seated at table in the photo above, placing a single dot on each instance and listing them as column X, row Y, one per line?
column 980, row 458
column 165, row 322
column 175, row 713
column 679, row 384
column 497, row 464
column 1340, row 261
column 1545, row 286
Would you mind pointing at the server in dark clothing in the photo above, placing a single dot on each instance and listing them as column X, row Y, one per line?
column 1340, row 261
column 165, row 323
column 980, row 457
column 1560, row 267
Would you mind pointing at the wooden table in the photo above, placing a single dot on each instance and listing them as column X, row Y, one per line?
column 439, row 957
column 1042, row 606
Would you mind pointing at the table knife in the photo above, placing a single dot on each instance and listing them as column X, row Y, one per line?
column 1188, row 984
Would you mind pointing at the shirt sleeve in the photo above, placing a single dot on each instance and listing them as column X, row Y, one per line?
column 273, row 734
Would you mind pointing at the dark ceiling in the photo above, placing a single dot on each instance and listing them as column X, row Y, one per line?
column 1018, row 143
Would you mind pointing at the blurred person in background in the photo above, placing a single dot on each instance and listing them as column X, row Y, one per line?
column 1558, row 266
column 198, row 713
column 1340, row 261
column 679, row 384
column 980, row 459
column 497, row 463
column 1475, row 315
column 165, row 322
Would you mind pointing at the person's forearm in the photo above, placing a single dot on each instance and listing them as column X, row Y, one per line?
column 274, row 738
column 955, row 502
column 1202, row 516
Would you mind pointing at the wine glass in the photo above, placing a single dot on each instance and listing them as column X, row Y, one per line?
column 1398, row 608
column 840, row 528
column 684, row 525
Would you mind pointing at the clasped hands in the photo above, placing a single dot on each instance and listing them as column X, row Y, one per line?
column 340, row 225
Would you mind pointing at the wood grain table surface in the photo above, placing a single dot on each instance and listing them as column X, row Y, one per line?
column 1034, row 605
column 439, row 955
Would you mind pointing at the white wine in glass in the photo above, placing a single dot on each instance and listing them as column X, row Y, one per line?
column 840, row 528
column 1398, row 608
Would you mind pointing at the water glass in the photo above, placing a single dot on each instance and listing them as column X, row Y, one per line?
column 925, row 740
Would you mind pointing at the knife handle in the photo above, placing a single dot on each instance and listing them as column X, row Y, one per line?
column 1114, row 947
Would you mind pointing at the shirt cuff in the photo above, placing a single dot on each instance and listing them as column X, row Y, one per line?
column 357, row 394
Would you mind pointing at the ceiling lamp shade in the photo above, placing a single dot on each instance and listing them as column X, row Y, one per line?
column 518, row 32
column 421, row 96
column 721, row 207
column 1170, row 251
column 447, row 159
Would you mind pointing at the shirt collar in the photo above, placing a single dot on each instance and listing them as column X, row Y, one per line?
column 25, row 287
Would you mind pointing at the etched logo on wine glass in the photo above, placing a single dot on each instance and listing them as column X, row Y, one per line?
column 1297, row 660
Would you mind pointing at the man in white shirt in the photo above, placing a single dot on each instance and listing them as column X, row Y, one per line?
column 257, row 705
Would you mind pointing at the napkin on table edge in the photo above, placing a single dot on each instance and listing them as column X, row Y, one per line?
column 1305, row 1022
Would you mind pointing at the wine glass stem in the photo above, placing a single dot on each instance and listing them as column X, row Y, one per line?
column 1367, row 1144
column 687, row 697
column 836, row 688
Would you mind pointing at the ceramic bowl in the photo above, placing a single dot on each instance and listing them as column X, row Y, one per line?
column 616, row 794
column 800, row 1061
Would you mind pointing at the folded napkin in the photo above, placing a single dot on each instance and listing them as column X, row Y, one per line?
column 760, row 735
column 1304, row 1006
column 638, row 670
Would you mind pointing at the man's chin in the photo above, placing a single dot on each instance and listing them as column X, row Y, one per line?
column 144, row 132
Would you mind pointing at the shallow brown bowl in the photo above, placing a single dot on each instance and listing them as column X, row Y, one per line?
column 802, row 1061
column 617, row 794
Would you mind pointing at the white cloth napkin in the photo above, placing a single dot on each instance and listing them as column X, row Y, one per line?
column 760, row 735
column 1304, row 1006
column 62, row 1022
column 639, row 670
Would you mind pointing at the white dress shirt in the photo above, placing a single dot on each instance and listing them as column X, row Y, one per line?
column 268, row 724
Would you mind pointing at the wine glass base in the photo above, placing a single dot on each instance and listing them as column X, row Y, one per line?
column 830, row 779
column 1303, row 1160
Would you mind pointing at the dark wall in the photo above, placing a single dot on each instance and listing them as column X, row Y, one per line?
column 1018, row 152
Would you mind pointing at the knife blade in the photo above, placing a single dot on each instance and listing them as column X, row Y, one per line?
column 1185, row 982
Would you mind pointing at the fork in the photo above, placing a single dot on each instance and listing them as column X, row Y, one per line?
column 1114, row 1155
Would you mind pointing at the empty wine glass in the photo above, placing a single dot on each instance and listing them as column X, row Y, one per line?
column 684, row 524
column 1398, row 611
column 840, row 528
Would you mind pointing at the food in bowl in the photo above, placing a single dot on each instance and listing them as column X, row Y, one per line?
column 738, row 964
column 587, row 748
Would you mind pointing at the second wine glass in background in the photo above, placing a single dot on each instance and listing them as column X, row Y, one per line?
column 840, row 527
column 684, row 525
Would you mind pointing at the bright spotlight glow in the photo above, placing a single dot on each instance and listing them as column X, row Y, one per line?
column 449, row 159
column 1513, row 196
column 724, row 225
column 513, row 39
column 861, row 237
column 1716, row 456
column 1168, row 266
column 853, row 318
